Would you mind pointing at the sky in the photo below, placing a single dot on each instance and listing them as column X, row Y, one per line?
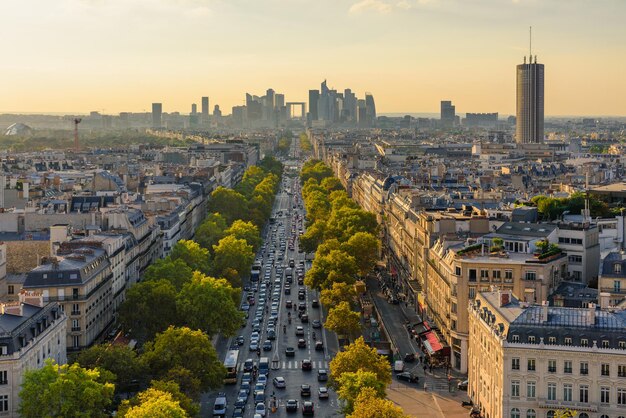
column 122, row 55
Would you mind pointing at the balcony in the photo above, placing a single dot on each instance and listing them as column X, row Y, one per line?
column 614, row 290
column 75, row 312
column 575, row 406
column 75, row 329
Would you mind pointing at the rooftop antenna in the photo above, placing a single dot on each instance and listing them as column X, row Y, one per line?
column 530, row 43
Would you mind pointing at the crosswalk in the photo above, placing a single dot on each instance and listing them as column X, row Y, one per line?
column 294, row 364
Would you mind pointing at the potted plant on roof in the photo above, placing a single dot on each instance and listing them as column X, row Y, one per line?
column 496, row 245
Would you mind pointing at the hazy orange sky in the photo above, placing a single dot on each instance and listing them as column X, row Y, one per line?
column 122, row 55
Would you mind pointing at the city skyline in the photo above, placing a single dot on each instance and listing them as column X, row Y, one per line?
column 409, row 54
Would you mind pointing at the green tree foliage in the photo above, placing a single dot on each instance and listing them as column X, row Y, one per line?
column 342, row 320
column 359, row 356
column 327, row 246
column 315, row 169
column 351, row 385
column 246, row 231
column 331, row 184
column 153, row 403
column 305, row 144
column 346, row 222
column 317, row 206
column 364, row 247
column 313, row 236
column 184, row 348
column 551, row 208
column 283, row 145
column 232, row 253
column 189, row 384
column 252, row 176
column 177, row 272
column 65, row 391
column 229, row 203
column 368, row 405
column 149, row 308
column 121, row 361
column 210, row 304
column 196, row 257
column 211, row 231
column 342, row 265
column 339, row 292
column 271, row 165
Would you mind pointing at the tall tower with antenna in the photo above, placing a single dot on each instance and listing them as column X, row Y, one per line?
column 530, row 100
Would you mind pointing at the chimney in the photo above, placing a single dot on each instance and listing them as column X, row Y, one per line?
column 544, row 311
column 591, row 314
column 11, row 308
column 505, row 297
column 31, row 298
column 604, row 300
column 58, row 234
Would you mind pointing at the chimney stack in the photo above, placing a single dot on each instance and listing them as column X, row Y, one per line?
column 11, row 308
column 591, row 314
column 544, row 311
column 604, row 300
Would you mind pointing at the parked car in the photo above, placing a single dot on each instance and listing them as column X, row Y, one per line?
column 407, row 377
column 462, row 385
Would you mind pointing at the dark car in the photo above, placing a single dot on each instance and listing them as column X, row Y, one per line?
column 304, row 318
column 307, row 408
column 290, row 352
column 301, row 343
column 305, row 390
column 238, row 412
column 288, row 304
column 319, row 346
column 315, row 303
column 408, row 377
column 302, row 306
column 316, row 323
column 240, row 340
column 306, row 364
column 462, row 385
column 301, row 295
column 322, row 375
column 267, row 345
column 248, row 365
column 291, row 405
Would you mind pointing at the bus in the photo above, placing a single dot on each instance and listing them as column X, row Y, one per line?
column 230, row 363
column 255, row 272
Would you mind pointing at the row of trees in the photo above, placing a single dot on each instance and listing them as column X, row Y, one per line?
column 305, row 143
column 344, row 239
column 551, row 208
column 284, row 142
column 182, row 301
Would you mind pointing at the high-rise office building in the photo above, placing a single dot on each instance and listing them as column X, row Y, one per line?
column 530, row 109
column 205, row 109
column 157, row 113
column 448, row 113
column 314, row 96
column 194, row 108
column 349, row 105
column 371, row 108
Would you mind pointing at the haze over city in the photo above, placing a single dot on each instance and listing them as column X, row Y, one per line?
column 122, row 55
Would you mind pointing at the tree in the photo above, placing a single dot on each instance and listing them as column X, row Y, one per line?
column 120, row 360
column 346, row 222
column 315, row 169
column 153, row 403
column 352, row 383
column 191, row 408
column 177, row 272
column 65, row 391
column 271, row 165
column 360, row 356
column 331, row 184
column 196, row 257
column 339, row 292
column 327, row 246
column 229, row 203
column 210, row 304
column 150, row 307
column 189, row 384
column 210, row 231
column 305, row 144
column 184, row 348
column 313, row 236
column 232, row 253
column 363, row 246
column 246, row 231
column 367, row 405
column 342, row 320
column 326, row 269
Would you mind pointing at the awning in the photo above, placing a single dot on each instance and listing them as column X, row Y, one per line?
column 394, row 272
column 431, row 342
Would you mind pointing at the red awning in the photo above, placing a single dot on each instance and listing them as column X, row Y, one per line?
column 394, row 272
column 431, row 342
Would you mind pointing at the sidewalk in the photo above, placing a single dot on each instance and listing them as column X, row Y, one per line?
column 420, row 404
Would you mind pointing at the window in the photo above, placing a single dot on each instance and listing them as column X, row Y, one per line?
column 568, row 341
column 621, row 396
column 515, row 338
column 76, row 341
column 604, row 394
column 621, row 344
column 11, row 289
column 515, row 363
column 515, row 413
column 551, row 340
column 550, row 414
column 472, row 292
column 495, row 274
column 4, row 403
column 576, row 259
column 605, row 344
column 457, row 270
column 508, row 274
column 567, row 366
column 531, row 275
column 472, row 275
column 583, row 394
column 567, row 392
column 531, row 339
column 617, row 268
column 621, row 370
column 531, row 413
column 484, row 274
column 584, row 342
column 604, row 369
column 563, row 240
column 584, row 368
column 530, row 389
column 4, row 377
column 551, row 366
column 531, row 365
column 552, row 391
column 515, row 388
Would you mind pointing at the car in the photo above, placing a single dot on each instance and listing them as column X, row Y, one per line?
column 279, row 382
column 302, row 306
column 259, row 396
column 245, row 386
column 220, row 405
column 291, row 405
column 290, row 352
column 241, row 402
column 300, row 278
column 256, row 327
column 260, row 409
column 259, row 387
column 299, row 330
column 247, row 377
column 254, row 345
column 271, row 334
column 248, row 365
column 316, row 323
column 238, row 412
column 267, row 345
column 287, row 290
column 305, row 390
column 319, row 346
column 462, row 385
column 304, row 318
column 254, row 336
column 243, row 394
column 245, row 307
column 301, row 343
column 301, row 295
column 240, row 340
column 322, row 375
column 262, row 379
column 307, row 408
column 315, row 303
column 257, row 416
column 322, row 392
column 407, row 377
column 306, row 364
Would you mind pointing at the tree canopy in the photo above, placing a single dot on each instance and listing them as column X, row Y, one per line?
column 154, row 403
column 315, row 169
column 230, row 204
column 337, row 265
column 339, row 292
column 120, row 360
column 359, row 356
column 352, row 383
column 364, row 247
column 232, row 253
column 210, row 231
column 368, row 405
column 342, row 320
column 177, row 272
column 196, row 257
column 246, row 231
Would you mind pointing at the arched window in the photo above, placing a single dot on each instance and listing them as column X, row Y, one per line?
column 515, row 413
column 604, row 416
column 550, row 414
column 531, row 413
column 583, row 415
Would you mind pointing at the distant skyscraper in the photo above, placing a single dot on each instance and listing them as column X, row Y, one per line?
column 279, row 101
column 371, row 108
column 362, row 118
column 217, row 113
column 323, row 104
column 194, row 108
column 205, row 109
column 448, row 114
column 314, row 96
column 157, row 111
column 530, row 109
column 349, row 105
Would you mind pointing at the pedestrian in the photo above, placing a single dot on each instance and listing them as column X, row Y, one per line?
column 431, row 368
column 425, row 367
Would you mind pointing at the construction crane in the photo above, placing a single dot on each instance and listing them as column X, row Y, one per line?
column 76, row 144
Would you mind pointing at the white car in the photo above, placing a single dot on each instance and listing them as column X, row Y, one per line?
column 279, row 382
column 260, row 409
column 262, row 379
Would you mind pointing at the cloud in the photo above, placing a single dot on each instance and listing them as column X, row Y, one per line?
column 378, row 6
column 403, row 4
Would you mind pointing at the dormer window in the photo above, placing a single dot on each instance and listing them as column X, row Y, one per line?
column 617, row 268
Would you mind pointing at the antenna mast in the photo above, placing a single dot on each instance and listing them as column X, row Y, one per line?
column 530, row 42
